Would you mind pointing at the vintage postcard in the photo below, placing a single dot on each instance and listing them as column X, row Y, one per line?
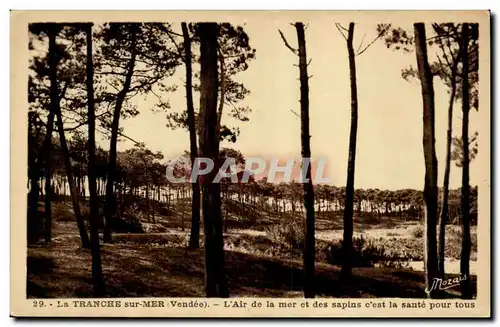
column 250, row 164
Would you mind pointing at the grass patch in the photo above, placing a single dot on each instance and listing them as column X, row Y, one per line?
column 153, row 240
column 265, row 260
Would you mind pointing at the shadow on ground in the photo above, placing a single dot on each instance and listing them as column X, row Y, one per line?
column 62, row 270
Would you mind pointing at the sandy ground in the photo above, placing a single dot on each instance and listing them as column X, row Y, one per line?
column 450, row 266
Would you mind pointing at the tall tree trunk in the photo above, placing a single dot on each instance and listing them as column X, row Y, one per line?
column 194, row 239
column 54, row 100
column 94, row 205
column 309, row 246
column 48, row 177
column 148, row 204
column 443, row 218
column 430, row 188
column 110, row 196
column 215, row 280
column 47, row 151
column 349, row 201
column 465, row 200
column 33, row 215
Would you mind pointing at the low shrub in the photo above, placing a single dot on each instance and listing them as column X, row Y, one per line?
column 290, row 233
column 171, row 240
column 61, row 212
column 369, row 252
column 154, row 228
column 64, row 212
column 127, row 224
column 402, row 248
column 393, row 264
column 418, row 231
column 453, row 243
column 85, row 211
column 365, row 252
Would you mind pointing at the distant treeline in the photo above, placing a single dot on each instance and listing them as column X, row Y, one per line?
column 141, row 173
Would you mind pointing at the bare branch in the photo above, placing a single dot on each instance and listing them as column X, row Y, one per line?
column 156, row 95
column 295, row 51
column 176, row 34
column 441, row 46
column 340, row 27
column 128, row 137
column 169, row 34
column 382, row 33
column 293, row 112
column 80, row 124
column 361, row 44
column 113, row 86
column 442, row 67
column 105, row 131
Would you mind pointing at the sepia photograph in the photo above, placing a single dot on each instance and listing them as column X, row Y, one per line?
column 258, row 164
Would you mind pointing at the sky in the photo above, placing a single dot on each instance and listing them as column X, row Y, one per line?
column 389, row 141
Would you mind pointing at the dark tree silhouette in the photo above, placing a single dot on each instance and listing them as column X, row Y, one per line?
column 447, row 43
column 351, row 163
column 94, row 204
column 309, row 246
column 194, row 240
column 449, row 72
column 54, row 99
column 215, row 280
column 48, row 176
column 430, row 188
column 120, row 99
column 349, row 204
column 465, row 200
column 309, row 243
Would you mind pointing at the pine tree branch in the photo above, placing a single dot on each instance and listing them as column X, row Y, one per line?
column 382, row 33
column 361, row 43
column 340, row 28
column 293, row 112
column 179, row 50
column 295, row 51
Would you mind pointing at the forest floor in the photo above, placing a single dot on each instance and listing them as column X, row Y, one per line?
column 258, row 262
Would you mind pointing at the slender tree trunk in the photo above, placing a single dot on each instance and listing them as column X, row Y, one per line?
column 148, row 205
column 152, row 202
column 122, row 207
column 194, row 239
column 79, row 186
column 47, row 150
column 110, row 196
column 309, row 246
column 33, row 215
column 443, row 218
column 465, row 200
column 48, row 177
column 430, row 188
column 225, row 219
column 54, row 99
column 94, row 205
column 349, row 201
column 215, row 280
